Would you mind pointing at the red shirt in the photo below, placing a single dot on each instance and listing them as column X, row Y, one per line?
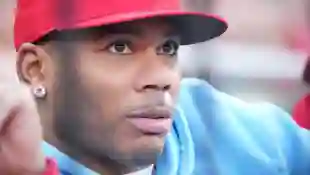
column 51, row 168
column 301, row 112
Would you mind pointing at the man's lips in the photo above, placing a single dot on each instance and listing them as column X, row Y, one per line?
column 152, row 120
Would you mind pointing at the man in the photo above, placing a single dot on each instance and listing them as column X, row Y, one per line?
column 106, row 100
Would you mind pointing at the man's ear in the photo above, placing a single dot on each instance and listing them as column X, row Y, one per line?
column 31, row 64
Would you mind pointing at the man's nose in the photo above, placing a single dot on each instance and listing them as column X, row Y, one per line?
column 155, row 76
column 154, row 80
column 157, row 86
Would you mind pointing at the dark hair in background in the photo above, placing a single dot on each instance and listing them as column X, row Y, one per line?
column 306, row 73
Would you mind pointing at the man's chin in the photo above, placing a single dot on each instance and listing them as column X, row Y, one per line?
column 151, row 144
column 144, row 159
column 144, row 151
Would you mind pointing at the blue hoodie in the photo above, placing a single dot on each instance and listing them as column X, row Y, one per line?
column 216, row 134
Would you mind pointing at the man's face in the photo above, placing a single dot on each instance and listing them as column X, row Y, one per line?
column 114, row 98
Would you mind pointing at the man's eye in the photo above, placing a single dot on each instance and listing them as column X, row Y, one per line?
column 120, row 48
column 169, row 48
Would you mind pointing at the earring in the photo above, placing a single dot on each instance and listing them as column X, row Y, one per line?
column 39, row 91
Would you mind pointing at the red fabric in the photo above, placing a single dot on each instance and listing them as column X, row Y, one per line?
column 301, row 112
column 51, row 168
column 36, row 18
column 300, row 39
column 301, row 42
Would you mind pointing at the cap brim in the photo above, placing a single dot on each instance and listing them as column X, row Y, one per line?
column 194, row 27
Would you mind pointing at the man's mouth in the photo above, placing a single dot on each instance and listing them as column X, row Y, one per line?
column 152, row 120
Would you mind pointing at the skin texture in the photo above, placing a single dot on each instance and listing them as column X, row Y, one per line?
column 105, row 74
column 20, row 132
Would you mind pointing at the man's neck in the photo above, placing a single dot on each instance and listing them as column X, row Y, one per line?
column 109, row 167
column 105, row 167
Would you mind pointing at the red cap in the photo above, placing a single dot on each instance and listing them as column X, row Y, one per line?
column 37, row 18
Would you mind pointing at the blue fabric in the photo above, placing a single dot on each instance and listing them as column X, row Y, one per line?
column 216, row 134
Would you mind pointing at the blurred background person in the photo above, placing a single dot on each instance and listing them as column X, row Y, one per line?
column 258, row 58
column 301, row 112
